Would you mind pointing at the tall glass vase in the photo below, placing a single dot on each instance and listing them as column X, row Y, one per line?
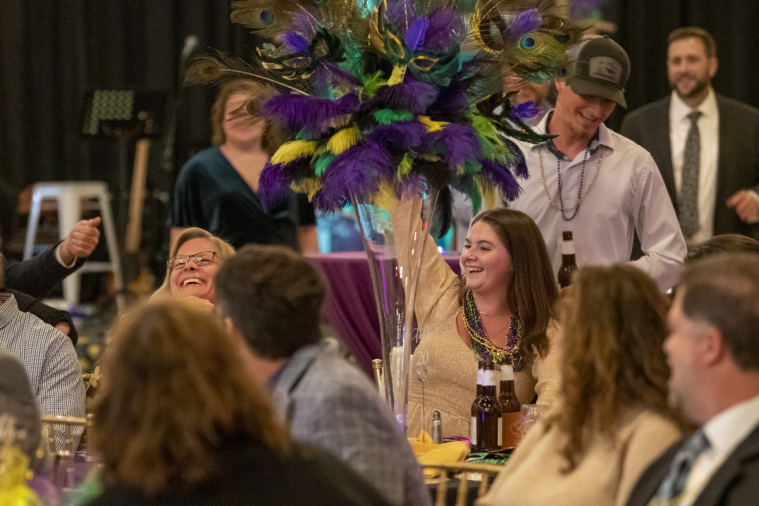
column 395, row 264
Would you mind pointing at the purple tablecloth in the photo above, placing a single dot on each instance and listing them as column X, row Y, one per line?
column 350, row 307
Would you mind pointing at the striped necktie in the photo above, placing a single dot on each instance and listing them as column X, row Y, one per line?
column 674, row 484
column 687, row 202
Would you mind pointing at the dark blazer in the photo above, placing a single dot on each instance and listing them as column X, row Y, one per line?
column 735, row 483
column 38, row 275
column 738, row 159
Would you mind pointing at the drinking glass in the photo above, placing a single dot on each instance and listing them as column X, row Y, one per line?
column 530, row 414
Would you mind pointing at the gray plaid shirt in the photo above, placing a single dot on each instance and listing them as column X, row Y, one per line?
column 334, row 406
column 49, row 359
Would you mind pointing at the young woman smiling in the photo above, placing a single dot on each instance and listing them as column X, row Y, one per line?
column 501, row 310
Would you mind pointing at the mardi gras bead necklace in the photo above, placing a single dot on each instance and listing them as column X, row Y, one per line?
column 484, row 349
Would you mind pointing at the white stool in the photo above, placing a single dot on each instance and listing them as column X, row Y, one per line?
column 69, row 195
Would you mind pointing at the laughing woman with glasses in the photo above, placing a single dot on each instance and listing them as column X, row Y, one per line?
column 195, row 257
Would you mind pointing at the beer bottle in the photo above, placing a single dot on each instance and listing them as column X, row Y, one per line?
column 568, row 264
column 511, row 424
column 488, row 413
column 475, row 405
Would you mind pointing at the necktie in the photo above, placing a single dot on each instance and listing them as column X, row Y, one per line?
column 674, row 484
column 687, row 202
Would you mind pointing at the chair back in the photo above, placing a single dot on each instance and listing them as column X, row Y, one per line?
column 467, row 472
column 68, row 423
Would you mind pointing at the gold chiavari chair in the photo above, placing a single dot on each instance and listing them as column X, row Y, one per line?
column 484, row 471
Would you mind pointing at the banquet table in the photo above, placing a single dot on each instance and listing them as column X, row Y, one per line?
column 350, row 306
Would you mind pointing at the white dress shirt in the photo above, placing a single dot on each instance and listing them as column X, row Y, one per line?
column 629, row 195
column 708, row 128
column 724, row 432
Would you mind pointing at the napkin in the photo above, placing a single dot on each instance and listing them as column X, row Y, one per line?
column 426, row 451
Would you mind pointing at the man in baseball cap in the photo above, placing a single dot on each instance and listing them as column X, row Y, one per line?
column 599, row 68
column 595, row 183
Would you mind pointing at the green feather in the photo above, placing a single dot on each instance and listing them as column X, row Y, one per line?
column 471, row 167
column 476, row 197
column 387, row 116
column 405, row 166
column 321, row 164
column 373, row 83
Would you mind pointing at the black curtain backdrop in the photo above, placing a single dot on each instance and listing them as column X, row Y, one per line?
column 52, row 51
column 643, row 27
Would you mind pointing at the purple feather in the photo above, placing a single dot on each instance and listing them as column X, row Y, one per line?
column 410, row 186
column 450, row 102
column 357, row 172
column 499, row 176
column 410, row 95
column 300, row 111
column 526, row 22
column 525, row 110
column 295, row 42
column 454, row 143
column 415, row 34
column 400, row 136
column 401, row 13
column 273, row 184
column 333, row 75
column 444, row 31
column 304, row 23
column 517, row 161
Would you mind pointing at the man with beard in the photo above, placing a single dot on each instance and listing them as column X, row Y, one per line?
column 713, row 354
column 705, row 145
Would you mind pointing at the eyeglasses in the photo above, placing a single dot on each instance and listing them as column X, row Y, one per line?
column 200, row 259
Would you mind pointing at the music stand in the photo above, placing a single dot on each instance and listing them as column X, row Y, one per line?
column 124, row 115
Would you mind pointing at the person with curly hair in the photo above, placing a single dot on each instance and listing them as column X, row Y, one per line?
column 613, row 419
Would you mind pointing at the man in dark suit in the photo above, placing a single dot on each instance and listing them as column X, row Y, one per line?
column 705, row 145
column 713, row 354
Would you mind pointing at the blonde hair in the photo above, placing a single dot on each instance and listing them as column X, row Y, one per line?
column 223, row 250
column 176, row 390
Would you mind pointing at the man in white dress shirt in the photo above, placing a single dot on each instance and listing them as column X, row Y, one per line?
column 713, row 354
column 705, row 145
column 595, row 183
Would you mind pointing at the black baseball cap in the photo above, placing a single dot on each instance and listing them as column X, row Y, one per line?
column 599, row 68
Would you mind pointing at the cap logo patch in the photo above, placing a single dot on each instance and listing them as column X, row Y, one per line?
column 605, row 68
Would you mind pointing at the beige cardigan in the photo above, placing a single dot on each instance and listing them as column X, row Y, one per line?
column 604, row 476
column 451, row 366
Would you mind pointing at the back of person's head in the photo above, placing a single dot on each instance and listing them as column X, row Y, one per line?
column 256, row 94
column 19, row 415
column 273, row 297
column 175, row 390
column 723, row 291
column 222, row 248
column 532, row 291
column 725, row 243
column 687, row 32
column 613, row 325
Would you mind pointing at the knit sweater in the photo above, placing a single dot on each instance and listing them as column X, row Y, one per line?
column 605, row 473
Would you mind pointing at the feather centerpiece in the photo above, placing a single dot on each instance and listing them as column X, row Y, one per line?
column 395, row 94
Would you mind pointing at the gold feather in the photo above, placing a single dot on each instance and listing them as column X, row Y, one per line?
column 220, row 68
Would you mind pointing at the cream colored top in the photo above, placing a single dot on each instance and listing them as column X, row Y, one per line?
column 604, row 476
column 451, row 382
